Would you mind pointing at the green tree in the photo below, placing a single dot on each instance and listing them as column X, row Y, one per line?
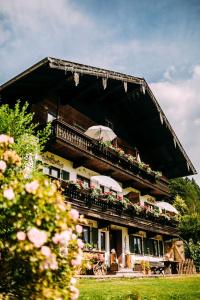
column 180, row 205
column 18, row 123
column 188, row 190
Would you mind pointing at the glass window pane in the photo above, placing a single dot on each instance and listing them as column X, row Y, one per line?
column 86, row 234
column 161, row 248
column 64, row 175
column 103, row 241
column 55, row 172
column 46, row 170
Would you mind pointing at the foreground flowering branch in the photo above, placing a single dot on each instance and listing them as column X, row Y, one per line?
column 40, row 243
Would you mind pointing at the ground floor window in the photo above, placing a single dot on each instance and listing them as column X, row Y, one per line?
column 103, row 241
column 90, row 236
column 153, row 247
column 86, row 234
column 135, row 244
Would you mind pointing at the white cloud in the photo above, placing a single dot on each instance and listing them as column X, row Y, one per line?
column 31, row 30
column 180, row 101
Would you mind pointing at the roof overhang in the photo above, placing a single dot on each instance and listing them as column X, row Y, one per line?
column 128, row 100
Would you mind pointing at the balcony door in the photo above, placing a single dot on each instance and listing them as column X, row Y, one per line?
column 116, row 243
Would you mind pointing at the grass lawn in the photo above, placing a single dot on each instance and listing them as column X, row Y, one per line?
column 173, row 288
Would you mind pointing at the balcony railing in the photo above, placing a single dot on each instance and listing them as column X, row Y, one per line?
column 89, row 146
column 73, row 193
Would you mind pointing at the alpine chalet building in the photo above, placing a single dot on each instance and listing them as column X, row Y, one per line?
column 114, row 151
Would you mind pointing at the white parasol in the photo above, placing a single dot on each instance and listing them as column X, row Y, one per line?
column 167, row 206
column 108, row 182
column 100, row 132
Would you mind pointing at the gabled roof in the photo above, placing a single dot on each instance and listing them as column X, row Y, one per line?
column 140, row 119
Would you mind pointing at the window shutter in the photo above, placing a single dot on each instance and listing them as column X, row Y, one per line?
column 64, row 175
column 95, row 237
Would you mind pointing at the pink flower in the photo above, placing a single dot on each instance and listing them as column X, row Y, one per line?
column 79, row 228
column 31, row 187
column 37, row 237
column 46, row 251
column 62, row 238
column 76, row 261
column 2, row 166
column 53, row 262
column 73, row 280
column 9, row 194
column 6, row 139
column 56, row 238
column 74, row 214
column 21, row 236
column 80, row 243
column 75, row 293
column 64, row 251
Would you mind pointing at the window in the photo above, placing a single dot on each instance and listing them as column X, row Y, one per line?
column 161, row 248
column 64, row 175
column 103, row 241
column 135, row 244
column 155, row 248
column 55, row 172
column 90, row 236
column 50, row 116
column 46, row 170
column 151, row 247
column 86, row 235
column 85, row 181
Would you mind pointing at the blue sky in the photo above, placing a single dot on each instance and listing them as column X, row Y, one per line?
column 155, row 39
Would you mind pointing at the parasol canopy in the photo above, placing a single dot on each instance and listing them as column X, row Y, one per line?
column 99, row 132
column 167, row 206
column 108, row 182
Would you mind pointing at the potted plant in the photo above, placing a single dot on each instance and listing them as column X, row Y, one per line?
column 146, row 267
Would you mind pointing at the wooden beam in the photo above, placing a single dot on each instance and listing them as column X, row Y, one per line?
column 80, row 162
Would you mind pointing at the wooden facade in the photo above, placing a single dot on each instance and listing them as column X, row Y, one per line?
column 74, row 97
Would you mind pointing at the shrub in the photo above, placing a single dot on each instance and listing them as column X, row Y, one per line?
column 39, row 238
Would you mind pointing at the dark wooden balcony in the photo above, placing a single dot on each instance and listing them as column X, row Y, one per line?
column 98, row 209
column 74, row 145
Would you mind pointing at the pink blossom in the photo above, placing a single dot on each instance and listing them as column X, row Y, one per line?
column 21, row 236
column 56, row 238
column 62, row 238
column 2, row 166
column 75, row 293
column 73, row 280
column 74, row 214
column 31, row 187
column 76, row 261
column 11, row 140
column 37, row 237
column 79, row 228
column 53, row 262
column 9, row 194
column 46, row 251
column 64, row 250
column 6, row 139
column 80, row 243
